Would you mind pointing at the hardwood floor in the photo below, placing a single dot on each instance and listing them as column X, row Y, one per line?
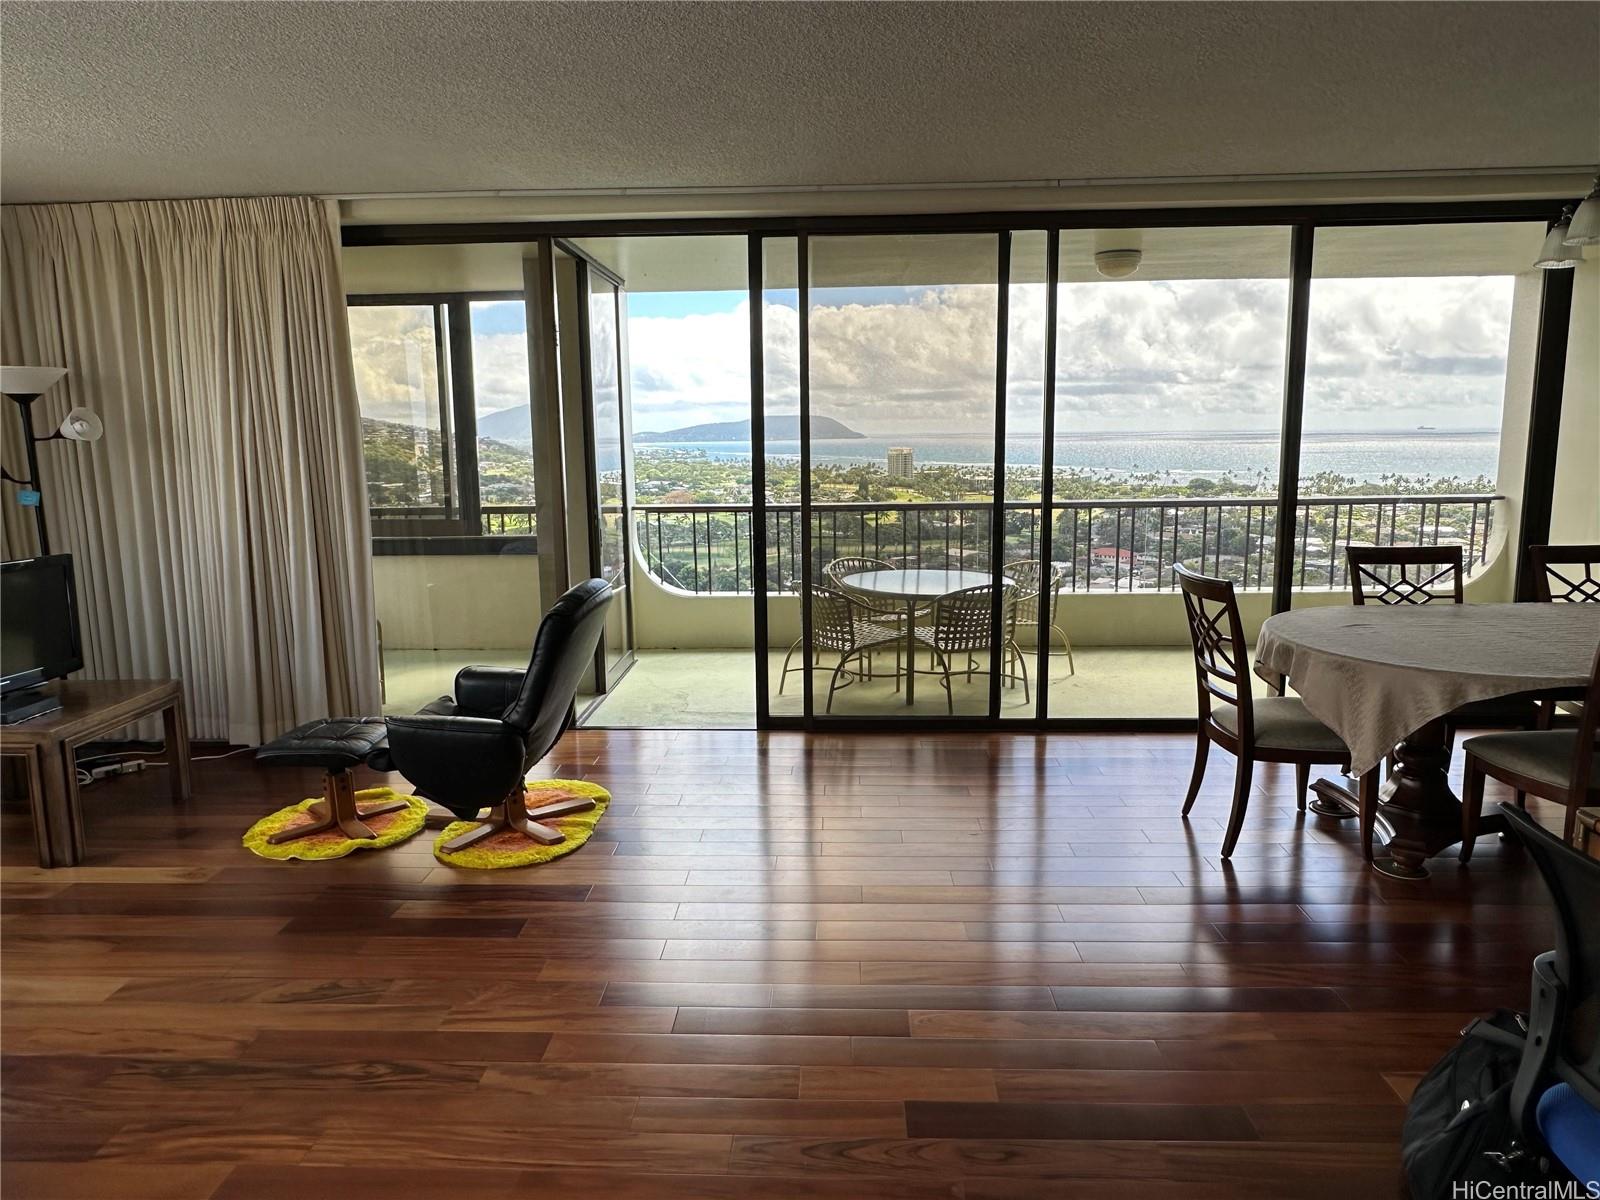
column 786, row 967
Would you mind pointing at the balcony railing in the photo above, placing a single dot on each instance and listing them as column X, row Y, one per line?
column 507, row 519
column 431, row 520
column 1101, row 546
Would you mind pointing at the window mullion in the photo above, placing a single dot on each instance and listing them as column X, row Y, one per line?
column 464, row 404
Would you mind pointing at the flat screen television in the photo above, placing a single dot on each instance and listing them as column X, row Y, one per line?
column 39, row 638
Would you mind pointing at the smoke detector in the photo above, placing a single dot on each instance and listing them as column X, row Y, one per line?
column 1118, row 264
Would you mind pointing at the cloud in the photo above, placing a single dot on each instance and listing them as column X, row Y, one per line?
column 1383, row 351
column 500, row 370
column 688, row 370
column 1134, row 354
column 396, row 367
column 1166, row 354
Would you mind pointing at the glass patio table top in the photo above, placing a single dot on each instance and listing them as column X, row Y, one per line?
column 921, row 583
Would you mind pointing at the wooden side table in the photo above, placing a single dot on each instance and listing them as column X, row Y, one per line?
column 90, row 709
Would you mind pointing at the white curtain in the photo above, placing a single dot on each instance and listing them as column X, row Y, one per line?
column 219, row 530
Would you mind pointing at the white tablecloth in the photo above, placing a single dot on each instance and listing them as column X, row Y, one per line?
column 1376, row 674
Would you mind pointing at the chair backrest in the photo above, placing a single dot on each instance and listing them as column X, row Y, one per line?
column 1574, row 882
column 1221, row 662
column 563, row 650
column 1417, row 584
column 833, row 617
column 961, row 619
column 1566, row 573
column 1033, row 581
column 1022, row 602
column 840, row 567
column 1588, row 742
column 1025, row 574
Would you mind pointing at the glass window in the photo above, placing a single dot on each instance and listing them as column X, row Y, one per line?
column 787, row 677
column 405, row 417
column 1030, row 608
column 1409, row 351
column 504, row 415
column 687, row 376
column 1169, row 399
column 903, row 343
column 606, row 390
column 433, row 426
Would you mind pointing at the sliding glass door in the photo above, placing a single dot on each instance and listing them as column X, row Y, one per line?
column 978, row 542
column 1170, row 348
column 1419, row 345
column 606, row 481
column 947, row 413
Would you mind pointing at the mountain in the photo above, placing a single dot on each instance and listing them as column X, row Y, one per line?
column 778, row 429
column 509, row 425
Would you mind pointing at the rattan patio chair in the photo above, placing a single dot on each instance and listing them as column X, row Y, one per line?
column 1030, row 594
column 842, row 625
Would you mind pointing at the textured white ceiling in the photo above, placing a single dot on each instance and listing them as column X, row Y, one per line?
column 180, row 99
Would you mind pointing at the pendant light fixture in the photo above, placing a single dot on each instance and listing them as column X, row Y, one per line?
column 1585, row 227
column 1555, row 254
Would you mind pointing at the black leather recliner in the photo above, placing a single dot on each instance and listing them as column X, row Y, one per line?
column 471, row 751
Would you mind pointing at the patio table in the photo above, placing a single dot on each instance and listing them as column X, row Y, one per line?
column 916, row 587
column 1386, row 676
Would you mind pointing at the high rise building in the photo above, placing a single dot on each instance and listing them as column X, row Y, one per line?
column 901, row 462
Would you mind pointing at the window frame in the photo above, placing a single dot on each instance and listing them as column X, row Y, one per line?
column 1306, row 219
column 459, row 530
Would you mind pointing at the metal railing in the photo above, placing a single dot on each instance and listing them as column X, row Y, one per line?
column 424, row 520
column 1100, row 545
column 507, row 519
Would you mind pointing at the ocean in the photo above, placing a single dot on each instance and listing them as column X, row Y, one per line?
column 1366, row 457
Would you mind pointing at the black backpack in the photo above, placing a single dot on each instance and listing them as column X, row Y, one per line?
column 1458, row 1126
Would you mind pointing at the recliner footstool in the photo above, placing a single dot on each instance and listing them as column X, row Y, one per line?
column 336, row 745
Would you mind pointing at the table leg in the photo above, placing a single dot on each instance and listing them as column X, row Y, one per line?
column 911, row 651
column 33, row 780
column 63, row 816
column 1334, row 799
column 1418, row 805
column 177, row 735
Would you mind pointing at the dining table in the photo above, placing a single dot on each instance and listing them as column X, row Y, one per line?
column 916, row 588
column 1385, row 678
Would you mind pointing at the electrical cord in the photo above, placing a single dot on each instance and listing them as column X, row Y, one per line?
column 124, row 764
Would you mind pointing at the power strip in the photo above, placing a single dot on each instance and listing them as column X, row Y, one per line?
column 131, row 767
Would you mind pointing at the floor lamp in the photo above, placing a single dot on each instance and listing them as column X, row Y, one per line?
column 25, row 385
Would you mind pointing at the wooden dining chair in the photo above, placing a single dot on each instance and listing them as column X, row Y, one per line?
column 1416, row 583
column 1562, row 765
column 1373, row 578
column 1564, row 575
column 1274, row 729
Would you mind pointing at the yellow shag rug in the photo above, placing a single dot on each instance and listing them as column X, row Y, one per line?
column 391, row 828
column 511, row 849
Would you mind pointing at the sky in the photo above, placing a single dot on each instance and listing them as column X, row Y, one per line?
column 1132, row 354
column 1135, row 354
